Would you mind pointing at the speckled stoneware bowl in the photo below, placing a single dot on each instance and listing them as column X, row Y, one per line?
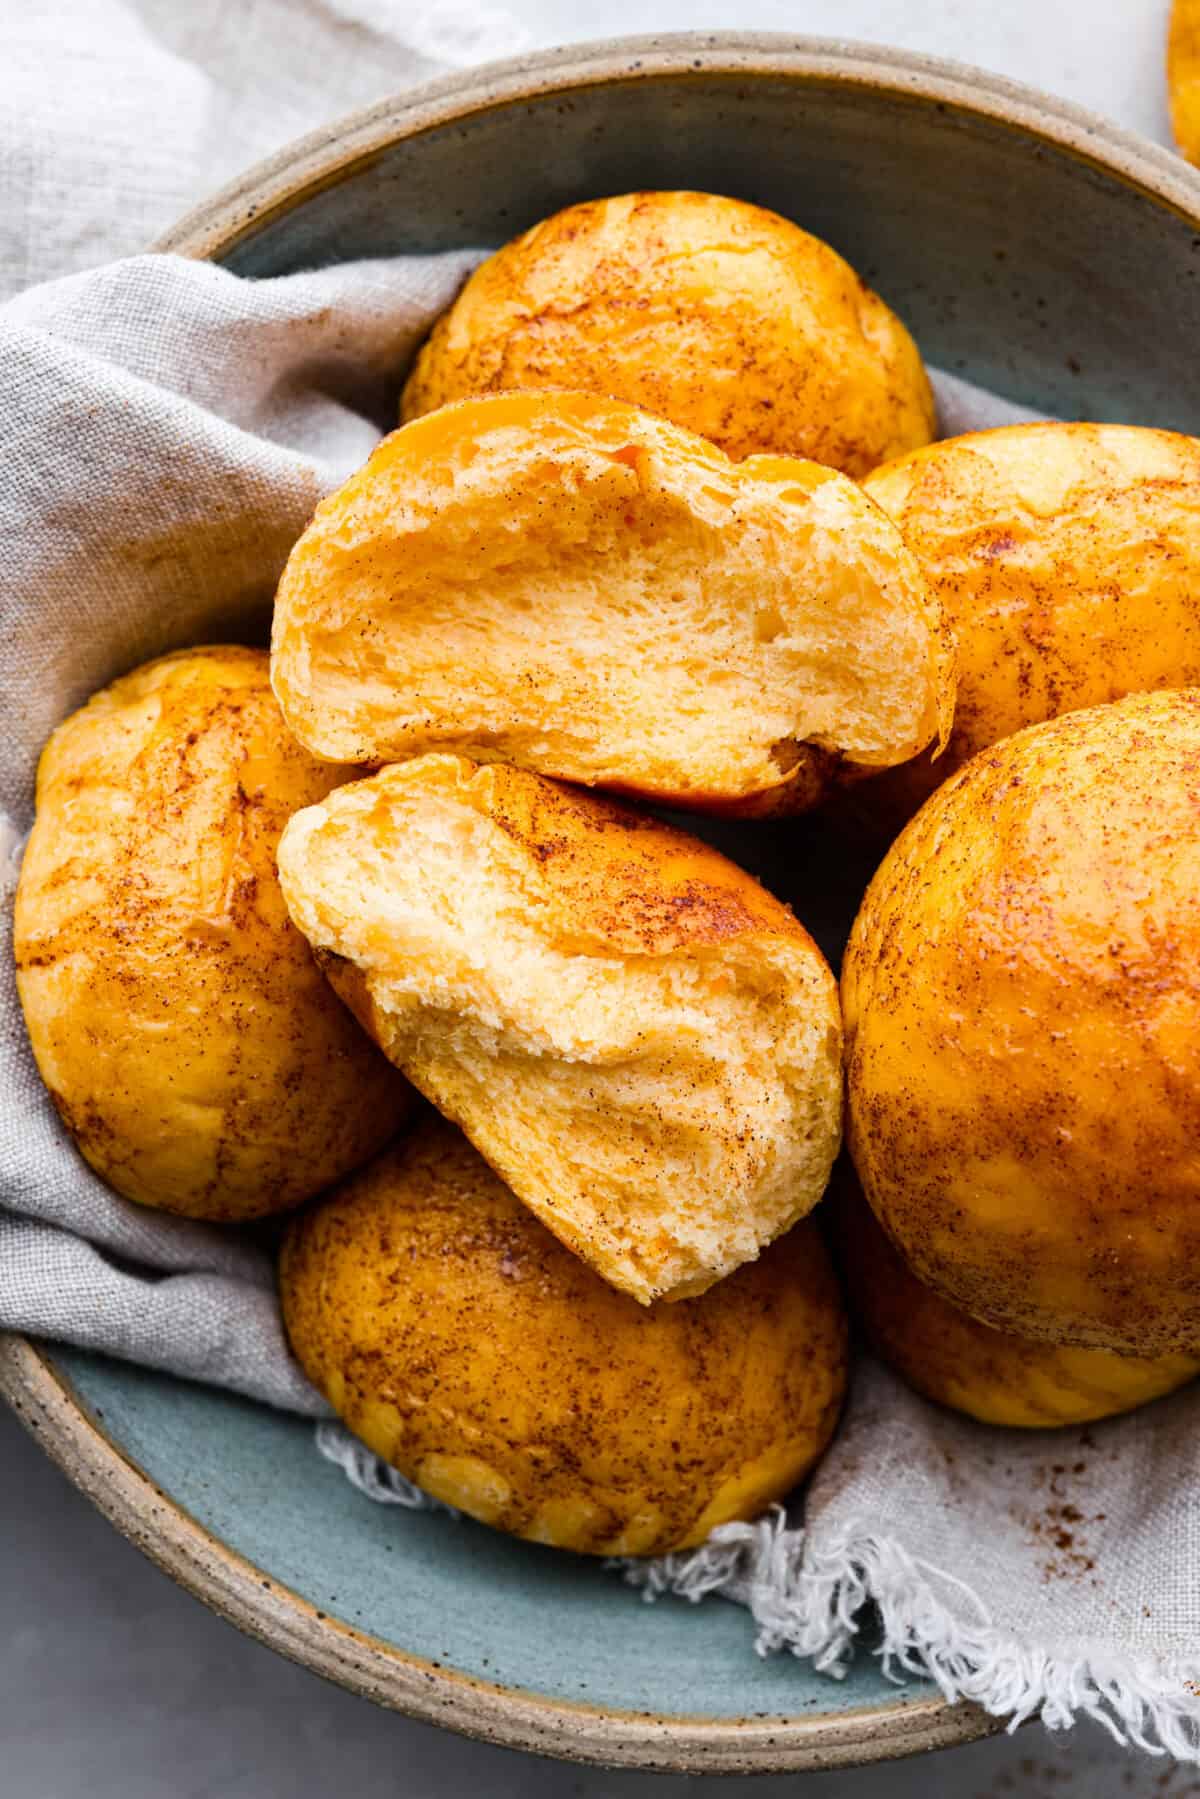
column 1030, row 247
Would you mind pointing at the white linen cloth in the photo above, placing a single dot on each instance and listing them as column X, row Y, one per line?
column 116, row 116
column 158, row 405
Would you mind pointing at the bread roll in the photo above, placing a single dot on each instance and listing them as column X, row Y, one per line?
column 568, row 584
column 1066, row 558
column 1183, row 76
column 462, row 1343
column 720, row 316
column 991, row 1375
column 639, row 1038
column 188, row 1039
column 1022, row 1005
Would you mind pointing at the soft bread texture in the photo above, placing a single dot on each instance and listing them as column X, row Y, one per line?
column 990, row 1375
column 1183, row 76
column 1022, row 1006
column 571, row 585
column 566, row 583
column 1067, row 561
column 640, row 1038
column 462, row 1343
column 192, row 1046
column 717, row 315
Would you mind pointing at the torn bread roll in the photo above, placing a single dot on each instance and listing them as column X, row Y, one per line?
column 569, row 584
column 638, row 1037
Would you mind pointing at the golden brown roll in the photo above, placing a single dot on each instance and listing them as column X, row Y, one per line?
column 1066, row 559
column 641, row 1039
column 191, row 1045
column 462, row 1343
column 1183, row 76
column 565, row 583
column 717, row 315
column 990, row 1375
column 1022, row 1011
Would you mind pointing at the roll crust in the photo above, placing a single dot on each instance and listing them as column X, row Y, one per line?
column 1066, row 559
column 188, row 1039
column 575, row 1417
column 1183, row 76
column 1022, row 1018
column 990, row 1375
column 720, row 316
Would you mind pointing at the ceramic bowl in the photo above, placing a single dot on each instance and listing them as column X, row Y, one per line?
column 1030, row 247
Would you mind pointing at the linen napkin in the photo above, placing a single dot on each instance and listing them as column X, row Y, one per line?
column 118, row 115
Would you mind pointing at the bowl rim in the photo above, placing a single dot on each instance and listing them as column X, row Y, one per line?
column 322, row 158
column 42, row 1395
column 264, row 1608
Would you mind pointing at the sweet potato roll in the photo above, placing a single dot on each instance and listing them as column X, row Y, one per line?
column 461, row 1342
column 992, row 1375
column 1067, row 560
column 566, row 583
column 718, row 315
column 188, row 1039
column 640, row 1039
column 1022, row 1011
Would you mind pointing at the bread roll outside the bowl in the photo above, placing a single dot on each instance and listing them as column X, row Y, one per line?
column 641, row 1039
column 1183, row 76
column 1022, row 1010
column 563, row 582
column 190, row 1043
column 464, row 1345
column 992, row 1376
column 720, row 316
column 1066, row 559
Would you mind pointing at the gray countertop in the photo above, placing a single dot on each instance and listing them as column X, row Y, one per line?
column 114, row 1683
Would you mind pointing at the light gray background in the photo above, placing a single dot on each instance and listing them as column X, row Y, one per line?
column 116, row 1685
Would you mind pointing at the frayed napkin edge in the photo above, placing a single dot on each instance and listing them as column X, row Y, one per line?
column 806, row 1598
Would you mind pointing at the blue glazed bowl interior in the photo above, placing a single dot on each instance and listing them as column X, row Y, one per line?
column 447, row 1590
